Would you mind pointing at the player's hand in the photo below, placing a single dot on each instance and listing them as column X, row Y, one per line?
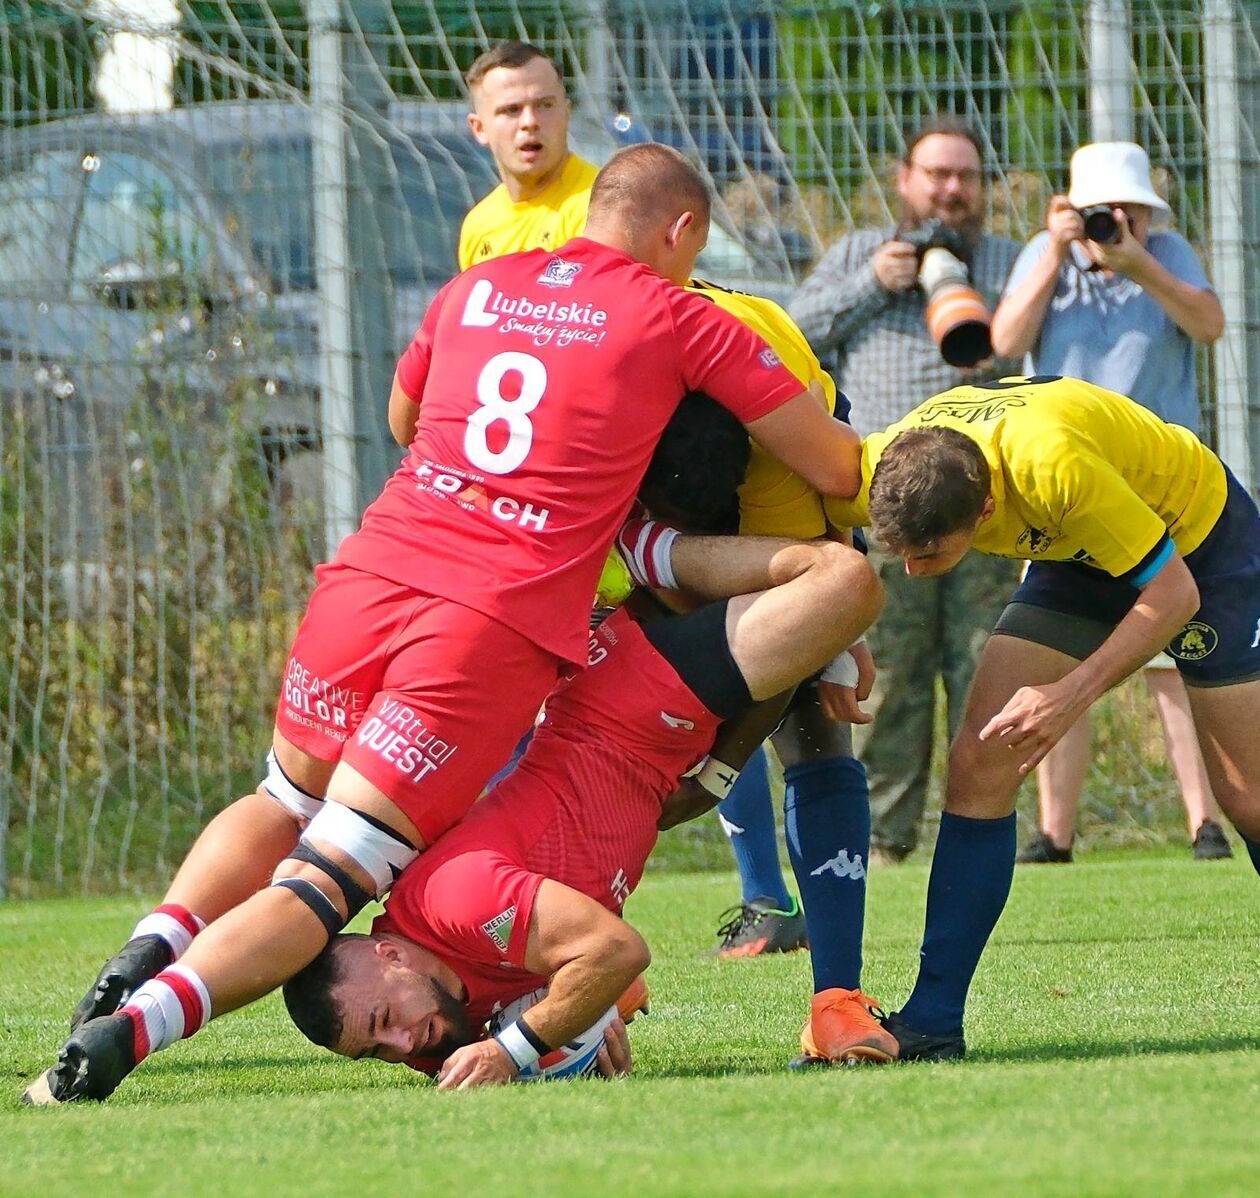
column 614, row 1057
column 840, row 703
column 1126, row 254
column 1064, row 224
column 1033, row 721
column 866, row 670
column 485, row 1063
column 896, row 266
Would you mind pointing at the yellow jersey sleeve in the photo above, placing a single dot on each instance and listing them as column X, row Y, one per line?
column 774, row 501
column 498, row 225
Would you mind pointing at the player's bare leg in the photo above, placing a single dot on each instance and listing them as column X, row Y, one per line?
column 249, row 951
column 823, row 588
column 233, row 858
column 1173, row 704
column 1225, row 717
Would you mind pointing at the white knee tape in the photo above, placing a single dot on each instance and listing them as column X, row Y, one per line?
column 288, row 794
column 381, row 854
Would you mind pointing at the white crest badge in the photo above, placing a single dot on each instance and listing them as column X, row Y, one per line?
column 560, row 273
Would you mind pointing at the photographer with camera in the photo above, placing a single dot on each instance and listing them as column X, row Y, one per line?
column 898, row 314
column 1103, row 296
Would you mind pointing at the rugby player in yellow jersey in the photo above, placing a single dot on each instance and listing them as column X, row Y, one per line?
column 521, row 114
column 1139, row 538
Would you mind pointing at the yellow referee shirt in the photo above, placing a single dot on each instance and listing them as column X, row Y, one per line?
column 499, row 225
column 1078, row 473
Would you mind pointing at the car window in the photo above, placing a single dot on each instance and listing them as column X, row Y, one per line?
column 134, row 213
column 264, row 190
column 37, row 205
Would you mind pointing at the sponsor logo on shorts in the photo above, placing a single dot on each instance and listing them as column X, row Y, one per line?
column 560, row 273
column 620, row 887
column 499, row 929
column 769, row 359
column 319, row 704
column 1194, row 642
column 400, row 736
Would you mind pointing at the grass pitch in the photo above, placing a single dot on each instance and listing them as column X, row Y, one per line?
column 1114, row 1030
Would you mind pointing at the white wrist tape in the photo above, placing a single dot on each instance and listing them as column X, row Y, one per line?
column 516, row 1044
column 841, row 670
column 717, row 777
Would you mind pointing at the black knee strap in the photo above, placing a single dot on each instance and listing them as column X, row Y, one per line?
column 324, row 908
column 356, row 897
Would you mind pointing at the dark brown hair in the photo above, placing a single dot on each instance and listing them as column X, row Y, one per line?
column 945, row 125
column 929, row 483
column 510, row 55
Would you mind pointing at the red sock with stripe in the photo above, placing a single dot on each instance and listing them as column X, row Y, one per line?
column 646, row 547
column 172, row 1006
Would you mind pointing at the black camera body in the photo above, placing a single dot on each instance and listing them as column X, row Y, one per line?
column 1100, row 223
column 931, row 234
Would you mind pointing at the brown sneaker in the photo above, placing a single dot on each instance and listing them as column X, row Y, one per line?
column 842, row 1028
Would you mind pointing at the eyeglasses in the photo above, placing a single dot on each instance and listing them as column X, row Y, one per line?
column 968, row 176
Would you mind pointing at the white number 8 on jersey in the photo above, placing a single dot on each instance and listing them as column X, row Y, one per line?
column 513, row 412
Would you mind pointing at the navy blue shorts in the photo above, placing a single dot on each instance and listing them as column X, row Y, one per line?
column 1219, row 646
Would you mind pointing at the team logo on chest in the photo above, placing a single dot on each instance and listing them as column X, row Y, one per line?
column 1194, row 642
column 560, row 273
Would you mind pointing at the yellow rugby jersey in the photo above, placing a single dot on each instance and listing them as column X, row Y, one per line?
column 1079, row 473
column 498, row 225
column 774, row 501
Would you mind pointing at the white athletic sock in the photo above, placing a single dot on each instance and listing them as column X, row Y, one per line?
column 175, row 924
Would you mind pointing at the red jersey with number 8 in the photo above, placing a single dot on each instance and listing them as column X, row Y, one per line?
column 544, row 381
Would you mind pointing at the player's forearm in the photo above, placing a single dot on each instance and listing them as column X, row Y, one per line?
column 1161, row 611
column 1194, row 310
column 582, row 990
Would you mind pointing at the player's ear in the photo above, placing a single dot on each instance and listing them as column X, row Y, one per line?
column 387, row 950
column 679, row 225
column 987, row 508
column 476, row 125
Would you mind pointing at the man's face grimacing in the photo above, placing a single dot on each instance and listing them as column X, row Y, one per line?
column 943, row 179
column 394, row 1005
column 522, row 115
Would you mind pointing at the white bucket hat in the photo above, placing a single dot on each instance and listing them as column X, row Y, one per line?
column 1112, row 172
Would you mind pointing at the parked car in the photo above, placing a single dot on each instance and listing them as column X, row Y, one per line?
column 169, row 258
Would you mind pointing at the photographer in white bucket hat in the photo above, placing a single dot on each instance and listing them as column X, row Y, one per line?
column 1121, row 304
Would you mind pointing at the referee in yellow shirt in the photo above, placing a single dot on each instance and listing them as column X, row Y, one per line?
column 1139, row 538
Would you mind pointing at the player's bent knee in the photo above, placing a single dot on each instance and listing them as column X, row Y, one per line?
column 299, row 804
column 632, row 952
column 332, row 892
column 979, row 783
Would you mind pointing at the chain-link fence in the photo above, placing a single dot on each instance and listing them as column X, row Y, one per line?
column 220, row 222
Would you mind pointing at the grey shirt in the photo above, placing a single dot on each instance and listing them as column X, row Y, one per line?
column 1107, row 330
column 874, row 342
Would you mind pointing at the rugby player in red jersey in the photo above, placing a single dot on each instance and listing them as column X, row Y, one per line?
column 532, row 396
column 527, row 891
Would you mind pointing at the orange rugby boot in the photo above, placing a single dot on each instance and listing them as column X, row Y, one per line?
column 842, row 1029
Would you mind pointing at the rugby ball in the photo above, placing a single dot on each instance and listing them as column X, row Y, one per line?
column 577, row 1058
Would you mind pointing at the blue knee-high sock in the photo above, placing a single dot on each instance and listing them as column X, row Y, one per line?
column 827, row 814
column 1253, row 848
column 972, row 870
column 748, row 820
